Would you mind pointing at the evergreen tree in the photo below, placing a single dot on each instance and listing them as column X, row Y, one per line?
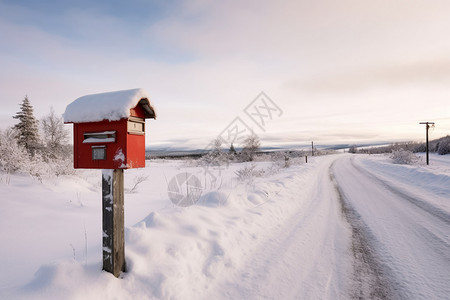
column 232, row 150
column 27, row 128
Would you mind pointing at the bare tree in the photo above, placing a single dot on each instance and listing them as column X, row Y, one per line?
column 216, row 156
column 55, row 135
column 251, row 146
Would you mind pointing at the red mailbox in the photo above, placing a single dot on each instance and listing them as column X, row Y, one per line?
column 109, row 129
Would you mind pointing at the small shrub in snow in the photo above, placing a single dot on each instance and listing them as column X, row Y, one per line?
column 248, row 173
column 137, row 181
column 215, row 157
column 274, row 168
column 403, row 157
column 282, row 158
column 294, row 161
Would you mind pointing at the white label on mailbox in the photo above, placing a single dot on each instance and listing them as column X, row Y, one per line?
column 136, row 125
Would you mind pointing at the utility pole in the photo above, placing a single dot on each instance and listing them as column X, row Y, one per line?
column 427, row 126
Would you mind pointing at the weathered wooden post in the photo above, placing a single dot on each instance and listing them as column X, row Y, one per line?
column 113, row 221
column 427, row 127
column 109, row 134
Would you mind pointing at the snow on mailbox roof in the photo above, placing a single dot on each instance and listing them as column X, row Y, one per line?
column 110, row 106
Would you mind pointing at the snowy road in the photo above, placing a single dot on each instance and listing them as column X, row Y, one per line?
column 407, row 236
column 306, row 256
column 356, row 236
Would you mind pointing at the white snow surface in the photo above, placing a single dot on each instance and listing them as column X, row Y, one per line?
column 279, row 236
column 110, row 106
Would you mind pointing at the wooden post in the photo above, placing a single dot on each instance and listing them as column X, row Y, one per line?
column 428, row 151
column 427, row 126
column 113, row 221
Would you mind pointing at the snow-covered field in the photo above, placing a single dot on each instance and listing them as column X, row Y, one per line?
column 339, row 227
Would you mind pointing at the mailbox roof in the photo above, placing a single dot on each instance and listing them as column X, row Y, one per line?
column 110, row 106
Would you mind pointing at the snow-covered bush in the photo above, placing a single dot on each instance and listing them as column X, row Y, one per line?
column 352, row 149
column 216, row 156
column 403, row 157
column 60, row 167
column 248, row 173
column 22, row 150
column 13, row 157
column 444, row 146
column 281, row 159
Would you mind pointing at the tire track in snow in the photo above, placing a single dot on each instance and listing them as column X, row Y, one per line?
column 305, row 257
column 370, row 279
column 429, row 208
column 408, row 237
column 439, row 245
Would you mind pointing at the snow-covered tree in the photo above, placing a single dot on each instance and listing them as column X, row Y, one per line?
column 352, row 149
column 27, row 128
column 55, row 135
column 13, row 157
column 216, row 156
column 251, row 146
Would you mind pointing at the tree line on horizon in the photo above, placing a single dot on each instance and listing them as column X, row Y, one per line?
column 440, row 146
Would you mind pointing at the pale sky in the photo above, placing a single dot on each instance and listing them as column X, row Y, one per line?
column 349, row 71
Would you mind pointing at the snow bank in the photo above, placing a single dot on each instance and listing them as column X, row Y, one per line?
column 171, row 252
column 110, row 106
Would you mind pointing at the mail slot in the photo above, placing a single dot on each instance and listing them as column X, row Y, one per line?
column 99, row 137
column 109, row 129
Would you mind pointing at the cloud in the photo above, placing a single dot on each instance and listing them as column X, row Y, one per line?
column 424, row 72
column 202, row 62
column 324, row 31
